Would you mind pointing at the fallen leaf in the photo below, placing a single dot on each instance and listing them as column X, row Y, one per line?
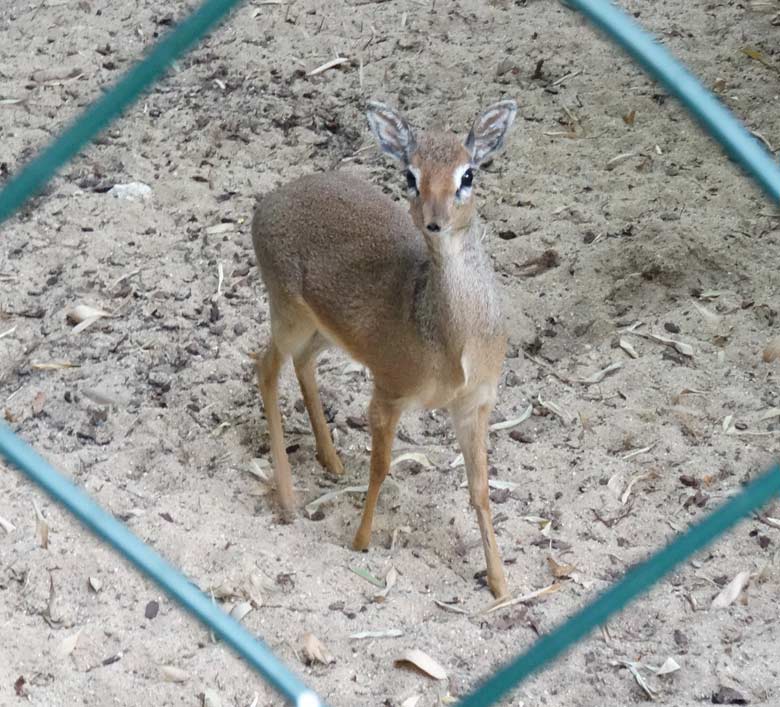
column 7, row 525
column 68, row 645
column 599, row 376
column 240, row 610
column 670, row 666
column 422, row 661
column 83, row 316
column 411, row 701
column 450, row 607
column 730, row 593
column 417, row 457
column 512, row 601
column 633, row 668
column 314, row 651
column 41, row 526
column 171, row 673
column 38, row 402
column 311, row 508
column 390, row 579
column 509, row 424
column 558, row 570
column 386, row 633
column 772, row 350
column 365, row 574
column 630, row 485
column 625, row 344
column 630, row 117
column 332, row 64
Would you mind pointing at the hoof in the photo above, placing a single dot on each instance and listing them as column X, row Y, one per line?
column 331, row 463
column 361, row 541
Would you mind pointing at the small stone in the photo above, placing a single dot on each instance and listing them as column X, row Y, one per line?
column 671, row 327
column 151, row 610
column 728, row 696
column 512, row 379
column 520, row 436
column 239, row 328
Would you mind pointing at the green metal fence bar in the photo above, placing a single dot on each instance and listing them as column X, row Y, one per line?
column 635, row 582
column 112, row 104
column 106, row 527
column 711, row 113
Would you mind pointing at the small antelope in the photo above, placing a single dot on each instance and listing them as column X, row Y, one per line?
column 411, row 295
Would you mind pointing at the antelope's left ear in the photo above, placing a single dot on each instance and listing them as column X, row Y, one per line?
column 489, row 131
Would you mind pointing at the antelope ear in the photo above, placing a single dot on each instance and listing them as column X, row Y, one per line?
column 489, row 131
column 391, row 131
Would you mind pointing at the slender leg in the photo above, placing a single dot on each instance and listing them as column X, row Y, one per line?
column 305, row 371
column 383, row 417
column 268, row 369
column 471, row 428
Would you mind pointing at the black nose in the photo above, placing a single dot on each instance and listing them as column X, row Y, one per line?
column 433, row 227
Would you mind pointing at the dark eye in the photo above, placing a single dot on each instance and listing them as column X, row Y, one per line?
column 467, row 179
column 411, row 182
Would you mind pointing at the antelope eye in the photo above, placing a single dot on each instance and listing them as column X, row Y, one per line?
column 466, row 179
column 411, row 182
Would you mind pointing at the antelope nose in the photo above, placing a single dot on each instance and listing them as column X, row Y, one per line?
column 433, row 227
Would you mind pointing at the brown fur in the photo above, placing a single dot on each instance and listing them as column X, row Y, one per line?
column 345, row 265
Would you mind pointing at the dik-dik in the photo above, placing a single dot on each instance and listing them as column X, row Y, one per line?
column 410, row 294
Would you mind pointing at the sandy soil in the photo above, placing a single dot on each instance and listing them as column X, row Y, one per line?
column 158, row 417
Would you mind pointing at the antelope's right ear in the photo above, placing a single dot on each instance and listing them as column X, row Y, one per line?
column 391, row 131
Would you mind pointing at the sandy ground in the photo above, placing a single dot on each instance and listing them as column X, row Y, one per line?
column 157, row 416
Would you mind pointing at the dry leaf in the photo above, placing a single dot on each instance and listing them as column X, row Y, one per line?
column 69, row 644
column 509, row 424
column 670, row 666
column 38, row 402
column 630, row 117
column 630, row 485
column 390, row 579
column 332, row 64
column 311, row 508
column 240, row 610
column 636, row 452
column 421, row 459
column 314, row 651
column 450, row 607
column 411, row 701
column 619, row 159
column 53, row 366
column 41, row 526
column 220, row 228
column 633, row 668
column 171, row 673
column 422, row 661
column 772, row 350
column 83, row 316
column 730, row 593
column 512, row 601
column 7, row 525
column 558, row 570
column 387, row 633
column 628, row 348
